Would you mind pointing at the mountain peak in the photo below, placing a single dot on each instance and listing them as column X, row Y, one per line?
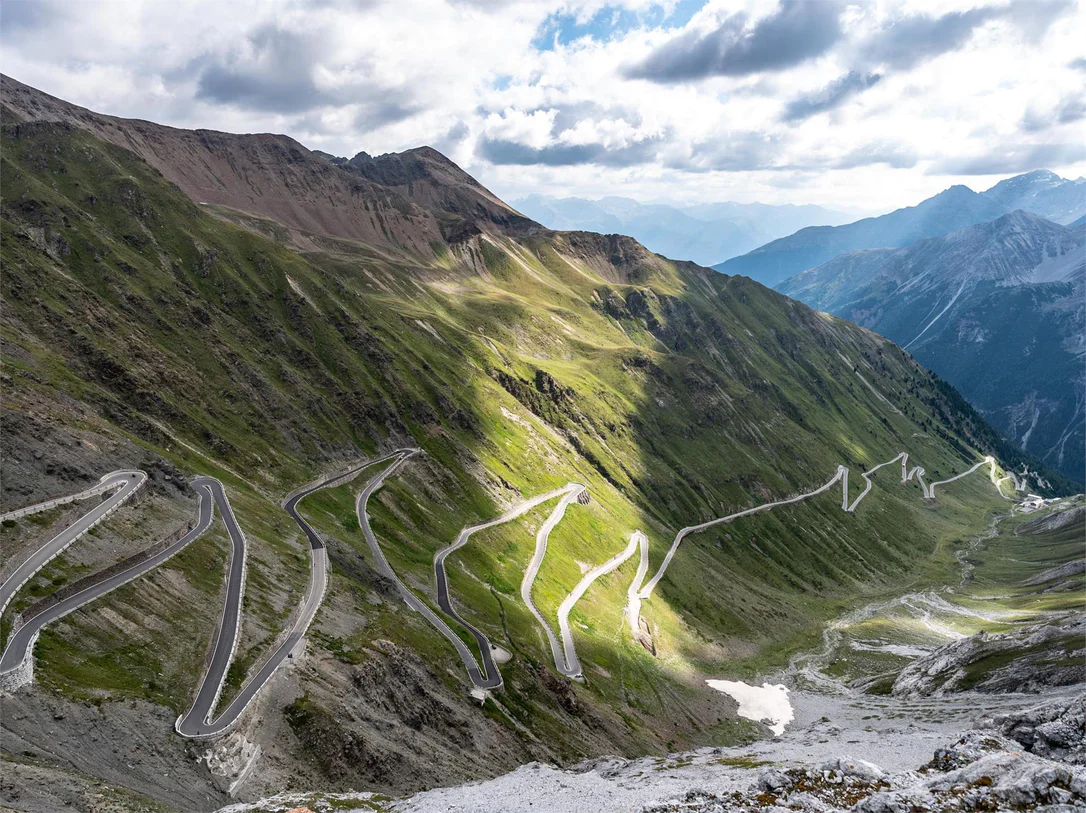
column 1041, row 191
column 956, row 191
column 1020, row 217
column 1041, row 175
column 1037, row 179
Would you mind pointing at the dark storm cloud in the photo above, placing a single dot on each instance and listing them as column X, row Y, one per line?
column 1067, row 111
column 796, row 31
column 911, row 40
column 274, row 74
column 831, row 96
column 502, row 151
column 27, row 16
column 1013, row 159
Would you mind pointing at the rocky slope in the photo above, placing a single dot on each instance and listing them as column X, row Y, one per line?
column 1044, row 193
column 997, row 309
column 310, row 314
column 1031, row 659
column 1024, row 760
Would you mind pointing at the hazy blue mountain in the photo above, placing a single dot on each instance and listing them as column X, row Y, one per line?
column 1044, row 193
column 1041, row 192
column 951, row 209
column 998, row 309
column 703, row 233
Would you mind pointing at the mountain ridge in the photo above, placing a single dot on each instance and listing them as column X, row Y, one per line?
column 701, row 233
column 939, row 298
column 953, row 208
column 1041, row 192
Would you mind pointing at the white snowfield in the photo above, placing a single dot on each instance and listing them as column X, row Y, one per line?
column 767, row 703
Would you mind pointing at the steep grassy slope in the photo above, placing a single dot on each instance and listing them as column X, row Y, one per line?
column 516, row 364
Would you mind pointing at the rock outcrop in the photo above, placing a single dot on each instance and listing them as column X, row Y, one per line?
column 1031, row 659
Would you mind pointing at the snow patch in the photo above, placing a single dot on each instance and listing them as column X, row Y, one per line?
column 767, row 703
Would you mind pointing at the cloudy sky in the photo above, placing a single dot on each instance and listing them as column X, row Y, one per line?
column 865, row 105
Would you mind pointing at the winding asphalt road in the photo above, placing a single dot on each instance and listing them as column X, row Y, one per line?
column 486, row 649
column 492, row 679
column 21, row 643
column 637, row 594
column 197, row 722
column 127, row 483
column 573, row 491
column 572, row 662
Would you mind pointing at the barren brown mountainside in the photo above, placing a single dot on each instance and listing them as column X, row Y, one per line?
column 367, row 199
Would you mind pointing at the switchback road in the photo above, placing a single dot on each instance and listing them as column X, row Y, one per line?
column 486, row 649
column 637, row 594
column 573, row 491
column 197, row 722
column 21, row 643
column 491, row 680
column 127, row 483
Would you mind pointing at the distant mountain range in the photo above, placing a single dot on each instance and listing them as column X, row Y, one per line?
column 1042, row 192
column 998, row 309
column 703, row 233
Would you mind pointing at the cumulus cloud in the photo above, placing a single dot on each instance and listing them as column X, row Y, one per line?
column 797, row 30
column 1067, row 111
column 905, row 41
column 830, row 96
column 647, row 98
column 888, row 153
column 279, row 70
column 1012, row 158
column 501, row 151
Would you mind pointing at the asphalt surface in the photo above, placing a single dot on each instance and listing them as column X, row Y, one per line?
column 491, row 680
column 573, row 663
column 197, row 721
column 573, row 491
column 643, row 593
column 210, row 492
column 128, row 482
column 633, row 592
column 19, row 645
column 486, row 649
